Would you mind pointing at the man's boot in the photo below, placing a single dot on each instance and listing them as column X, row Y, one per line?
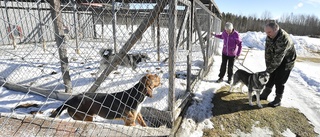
column 277, row 101
column 265, row 93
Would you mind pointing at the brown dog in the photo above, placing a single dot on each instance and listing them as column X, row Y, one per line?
column 124, row 105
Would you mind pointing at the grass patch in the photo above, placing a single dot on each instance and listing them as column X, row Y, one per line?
column 310, row 59
column 231, row 113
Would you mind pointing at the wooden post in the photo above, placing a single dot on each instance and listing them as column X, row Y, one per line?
column 153, row 33
column 183, row 25
column 206, row 67
column 102, row 27
column 62, row 48
column 189, row 45
column 40, row 32
column 217, row 29
column 145, row 24
column 94, row 27
column 127, row 16
column 198, row 30
column 39, row 91
column 75, row 13
column 158, row 38
column 172, row 56
column 9, row 26
column 132, row 22
column 114, row 20
column 79, row 26
column 127, row 21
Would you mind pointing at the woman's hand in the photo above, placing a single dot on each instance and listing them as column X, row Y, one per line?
column 212, row 34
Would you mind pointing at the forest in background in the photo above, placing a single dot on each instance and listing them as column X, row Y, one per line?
column 302, row 25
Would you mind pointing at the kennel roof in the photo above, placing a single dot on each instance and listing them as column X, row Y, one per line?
column 208, row 3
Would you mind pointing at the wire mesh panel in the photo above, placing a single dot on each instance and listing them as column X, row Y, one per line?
column 64, row 63
column 205, row 22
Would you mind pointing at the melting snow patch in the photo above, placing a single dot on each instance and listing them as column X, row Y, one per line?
column 255, row 132
column 288, row 133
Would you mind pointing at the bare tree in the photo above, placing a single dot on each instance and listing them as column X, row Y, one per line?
column 266, row 15
column 295, row 24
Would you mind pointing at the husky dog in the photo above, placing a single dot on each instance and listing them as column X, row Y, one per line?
column 129, row 60
column 254, row 82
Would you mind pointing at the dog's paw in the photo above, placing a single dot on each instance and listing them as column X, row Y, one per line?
column 250, row 103
column 260, row 106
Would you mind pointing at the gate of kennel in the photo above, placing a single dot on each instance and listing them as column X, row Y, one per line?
column 52, row 50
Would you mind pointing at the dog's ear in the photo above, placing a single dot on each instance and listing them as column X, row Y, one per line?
column 267, row 73
column 101, row 52
column 147, row 83
column 264, row 73
column 150, row 82
column 256, row 75
column 110, row 51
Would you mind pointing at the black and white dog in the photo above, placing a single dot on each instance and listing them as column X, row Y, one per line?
column 254, row 82
column 130, row 60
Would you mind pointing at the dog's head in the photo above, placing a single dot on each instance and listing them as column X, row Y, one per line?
column 150, row 82
column 263, row 77
column 105, row 53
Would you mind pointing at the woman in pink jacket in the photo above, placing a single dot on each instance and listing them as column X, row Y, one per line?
column 231, row 50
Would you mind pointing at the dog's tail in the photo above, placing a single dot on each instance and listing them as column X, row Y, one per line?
column 105, row 52
column 58, row 111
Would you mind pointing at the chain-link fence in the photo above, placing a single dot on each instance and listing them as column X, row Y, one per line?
column 99, row 53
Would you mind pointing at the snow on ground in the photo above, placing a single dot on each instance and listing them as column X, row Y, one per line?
column 301, row 92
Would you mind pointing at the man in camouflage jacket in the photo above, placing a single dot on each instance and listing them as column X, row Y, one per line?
column 280, row 56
